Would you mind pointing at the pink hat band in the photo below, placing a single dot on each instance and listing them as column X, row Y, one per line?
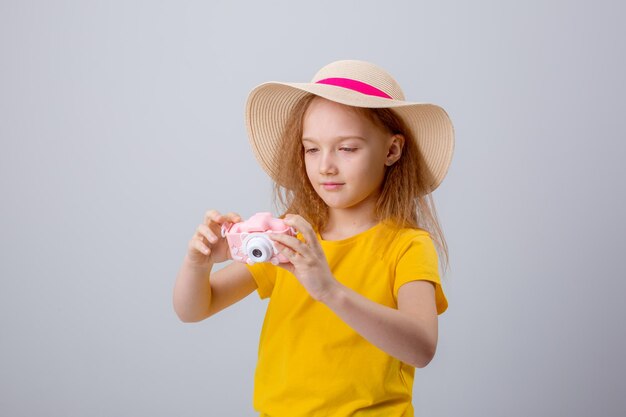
column 355, row 85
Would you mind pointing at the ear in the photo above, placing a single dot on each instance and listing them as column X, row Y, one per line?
column 395, row 149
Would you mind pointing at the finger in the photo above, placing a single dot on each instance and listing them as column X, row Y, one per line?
column 306, row 230
column 215, row 220
column 287, row 251
column 302, row 226
column 205, row 231
column 233, row 217
column 292, row 243
column 201, row 247
column 287, row 240
column 212, row 216
column 287, row 266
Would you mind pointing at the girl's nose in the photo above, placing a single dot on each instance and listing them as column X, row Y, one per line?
column 327, row 164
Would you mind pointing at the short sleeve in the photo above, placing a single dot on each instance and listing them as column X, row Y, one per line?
column 264, row 274
column 419, row 261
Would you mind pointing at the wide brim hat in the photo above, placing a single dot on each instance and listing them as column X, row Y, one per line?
column 353, row 83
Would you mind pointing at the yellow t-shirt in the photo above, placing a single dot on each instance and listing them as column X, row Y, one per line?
column 311, row 363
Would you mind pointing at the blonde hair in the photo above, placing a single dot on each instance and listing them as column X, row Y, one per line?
column 397, row 204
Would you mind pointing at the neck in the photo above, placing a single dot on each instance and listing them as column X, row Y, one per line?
column 350, row 221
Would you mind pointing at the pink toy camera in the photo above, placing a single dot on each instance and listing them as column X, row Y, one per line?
column 249, row 242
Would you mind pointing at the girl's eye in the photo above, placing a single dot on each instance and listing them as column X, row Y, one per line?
column 343, row 148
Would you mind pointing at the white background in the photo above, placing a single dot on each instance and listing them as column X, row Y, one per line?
column 121, row 123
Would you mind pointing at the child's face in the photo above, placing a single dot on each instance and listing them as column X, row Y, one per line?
column 344, row 154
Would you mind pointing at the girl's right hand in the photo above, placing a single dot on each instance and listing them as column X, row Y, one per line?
column 207, row 246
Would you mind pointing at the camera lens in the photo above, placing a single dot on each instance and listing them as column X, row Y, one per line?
column 258, row 248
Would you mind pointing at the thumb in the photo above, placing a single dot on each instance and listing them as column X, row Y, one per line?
column 287, row 266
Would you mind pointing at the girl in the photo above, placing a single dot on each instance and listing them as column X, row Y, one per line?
column 355, row 310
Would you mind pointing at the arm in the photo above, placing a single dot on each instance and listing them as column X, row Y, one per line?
column 192, row 291
column 197, row 297
column 408, row 333
column 198, row 294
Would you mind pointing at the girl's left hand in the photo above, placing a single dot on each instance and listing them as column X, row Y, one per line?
column 307, row 259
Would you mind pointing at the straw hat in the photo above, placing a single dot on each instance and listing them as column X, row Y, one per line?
column 355, row 83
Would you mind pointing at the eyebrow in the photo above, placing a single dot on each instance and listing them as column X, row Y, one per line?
column 338, row 138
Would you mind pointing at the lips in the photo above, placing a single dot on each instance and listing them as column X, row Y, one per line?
column 331, row 185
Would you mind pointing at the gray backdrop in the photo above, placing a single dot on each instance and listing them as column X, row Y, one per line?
column 121, row 123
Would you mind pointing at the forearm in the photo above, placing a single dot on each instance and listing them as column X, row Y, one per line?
column 401, row 335
column 192, row 292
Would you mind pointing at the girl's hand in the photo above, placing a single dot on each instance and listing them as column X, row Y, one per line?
column 307, row 260
column 207, row 246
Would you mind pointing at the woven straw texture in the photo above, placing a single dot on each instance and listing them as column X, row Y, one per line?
column 270, row 104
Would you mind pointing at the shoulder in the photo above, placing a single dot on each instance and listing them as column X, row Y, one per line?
column 415, row 259
column 399, row 241
column 406, row 235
